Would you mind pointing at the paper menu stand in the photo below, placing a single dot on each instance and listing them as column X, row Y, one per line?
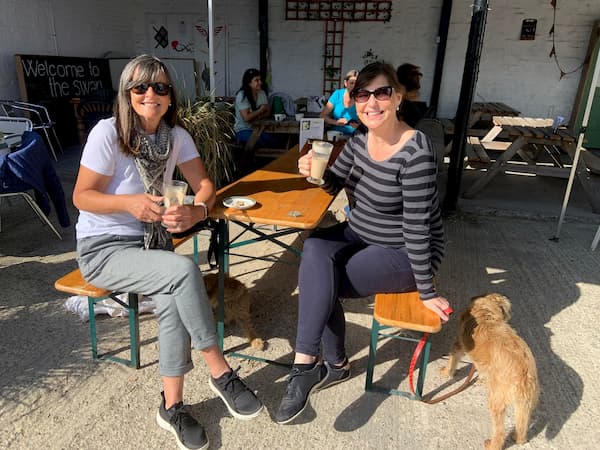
column 310, row 129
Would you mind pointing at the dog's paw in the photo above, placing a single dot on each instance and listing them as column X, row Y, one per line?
column 258, row 344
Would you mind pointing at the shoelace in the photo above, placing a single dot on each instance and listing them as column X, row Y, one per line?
column 180, row 415
column 291, row 387
column 234, row 385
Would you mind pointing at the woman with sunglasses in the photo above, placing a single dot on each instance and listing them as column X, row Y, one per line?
column 124, row 241
column 339, row 112
column 392, row 242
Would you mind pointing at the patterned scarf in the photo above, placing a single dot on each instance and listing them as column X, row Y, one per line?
column 151, row 163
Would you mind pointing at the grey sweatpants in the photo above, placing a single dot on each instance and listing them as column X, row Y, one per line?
column 174, row 282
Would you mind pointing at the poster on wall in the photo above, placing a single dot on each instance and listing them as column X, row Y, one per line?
column 186, row 36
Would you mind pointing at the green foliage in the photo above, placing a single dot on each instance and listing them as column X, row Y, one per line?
column 211, row 127
column 369, row 56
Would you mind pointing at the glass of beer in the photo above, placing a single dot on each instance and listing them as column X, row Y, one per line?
column 321, row 151
column 174, row 192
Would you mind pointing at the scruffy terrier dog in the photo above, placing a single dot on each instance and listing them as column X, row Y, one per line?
column 237, row 305
column 503, row 360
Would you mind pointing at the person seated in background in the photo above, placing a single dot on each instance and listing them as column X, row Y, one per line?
column 339, row 112
column 412, row 109
column 251, row 104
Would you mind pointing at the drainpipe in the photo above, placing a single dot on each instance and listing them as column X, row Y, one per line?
column 442, row 40
column 263, row 31
column 463, row 111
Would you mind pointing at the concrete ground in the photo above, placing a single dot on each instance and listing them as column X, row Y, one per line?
column 52, row 395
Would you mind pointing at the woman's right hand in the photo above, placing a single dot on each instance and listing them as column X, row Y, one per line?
column 304, row 164
column 145, row 207
column 341, row 121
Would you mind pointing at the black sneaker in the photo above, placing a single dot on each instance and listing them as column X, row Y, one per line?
column 301, row 383
column 189, row 433
column 240, row 401
column 331, row 374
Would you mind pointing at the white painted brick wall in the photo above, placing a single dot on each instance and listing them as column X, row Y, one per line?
column 519, row 73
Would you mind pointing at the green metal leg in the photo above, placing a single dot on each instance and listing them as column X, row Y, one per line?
column 92, row 319
column 223, row 262
column 134, row 331
column 376, row 329
column 423, row 370
column 372, row 355
column 196, row 257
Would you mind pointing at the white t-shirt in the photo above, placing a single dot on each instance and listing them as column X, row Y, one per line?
column 241, row 103
column 102, row 155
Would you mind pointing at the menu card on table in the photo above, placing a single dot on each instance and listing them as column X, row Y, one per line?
column 310, row 129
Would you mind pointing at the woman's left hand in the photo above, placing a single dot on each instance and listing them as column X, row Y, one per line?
column 180, row 218
column 440, row 306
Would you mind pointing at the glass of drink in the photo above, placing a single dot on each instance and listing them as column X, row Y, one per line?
column 321, row 151
column 174, row 192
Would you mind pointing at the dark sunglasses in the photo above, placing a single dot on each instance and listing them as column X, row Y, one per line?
column 158, row 88
column 382, row 93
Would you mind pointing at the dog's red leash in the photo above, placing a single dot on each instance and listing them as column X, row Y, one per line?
column 413, row 362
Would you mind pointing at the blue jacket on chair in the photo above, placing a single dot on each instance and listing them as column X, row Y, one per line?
column 30, row 167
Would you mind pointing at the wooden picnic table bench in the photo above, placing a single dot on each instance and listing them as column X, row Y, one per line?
column 74, row 283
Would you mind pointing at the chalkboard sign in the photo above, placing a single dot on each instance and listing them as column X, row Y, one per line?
column 53, row 81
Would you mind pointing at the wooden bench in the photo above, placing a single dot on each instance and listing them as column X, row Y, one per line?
column 402, row 310
column 73, row 283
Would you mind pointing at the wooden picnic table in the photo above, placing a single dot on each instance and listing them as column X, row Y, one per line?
column 510, row 136
column 287, row 126
column 283, row 198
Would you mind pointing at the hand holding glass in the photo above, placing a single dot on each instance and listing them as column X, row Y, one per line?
column 174, row 193
column 321, row 151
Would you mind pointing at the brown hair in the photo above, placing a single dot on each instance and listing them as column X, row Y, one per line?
column 372, row 71
column 147, row 69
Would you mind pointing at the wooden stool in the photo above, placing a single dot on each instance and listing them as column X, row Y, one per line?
column 73, row 283
column 402, row 310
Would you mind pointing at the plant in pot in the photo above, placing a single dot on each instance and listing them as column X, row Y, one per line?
column 211, row 127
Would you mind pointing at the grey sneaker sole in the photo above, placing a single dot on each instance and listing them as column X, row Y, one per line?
column 232, row 411
column 315, row 388
column 167, row 426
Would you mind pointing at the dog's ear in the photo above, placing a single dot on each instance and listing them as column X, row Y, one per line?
column 505, row 307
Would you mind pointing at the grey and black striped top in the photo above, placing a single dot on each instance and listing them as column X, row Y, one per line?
column 394, row 203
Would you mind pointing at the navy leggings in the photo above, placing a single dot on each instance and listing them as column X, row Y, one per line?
column 335, row 263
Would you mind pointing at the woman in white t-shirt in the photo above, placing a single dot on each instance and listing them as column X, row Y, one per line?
column 122, row 244
column 251, row 104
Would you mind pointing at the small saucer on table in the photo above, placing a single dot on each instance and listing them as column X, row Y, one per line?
column 239, row 202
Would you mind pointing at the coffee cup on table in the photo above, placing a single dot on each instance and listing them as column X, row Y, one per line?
column 279, row 117
column 299, row 117
column 333, row 135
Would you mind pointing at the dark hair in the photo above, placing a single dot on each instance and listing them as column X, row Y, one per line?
column 249, row 74
column 409, row 76
column 147, row 69
column 372, row 71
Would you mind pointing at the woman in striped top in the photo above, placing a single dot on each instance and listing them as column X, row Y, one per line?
column 392, row 242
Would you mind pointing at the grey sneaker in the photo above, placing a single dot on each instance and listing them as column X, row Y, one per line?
column 332, row 375
column 240, row 401
column 301, row 383
column 189, row 433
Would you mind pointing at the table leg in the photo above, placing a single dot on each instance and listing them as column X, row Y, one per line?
column 223, row 262
column 495, row 168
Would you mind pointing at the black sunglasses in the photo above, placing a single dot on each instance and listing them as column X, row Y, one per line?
column 158, row 88
column 381, row 93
